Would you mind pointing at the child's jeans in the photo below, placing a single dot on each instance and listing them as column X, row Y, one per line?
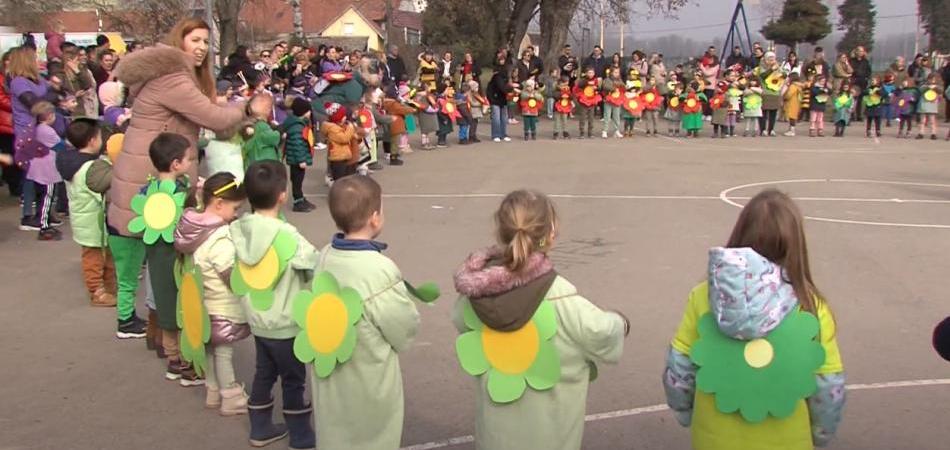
column 219, row 373
column 98, row 270
column 445, row 127
column 731, row 120
column 549, row 106
column 611, row 116
column 628, row 125
column 473, row 129
column 275, row 358
column 530, row 125
column 876, row 120
column 817, row 120
column 560, row 122
column 463, row 133
column 296, row 181
column 751, row 124
column 907, row 122
column 650, row 119
column 585, row 119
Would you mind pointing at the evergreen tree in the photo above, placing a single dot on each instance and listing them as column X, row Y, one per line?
column 857, row 21
column 801, row 21
column 935, row 15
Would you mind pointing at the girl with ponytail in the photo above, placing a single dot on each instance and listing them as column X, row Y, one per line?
column 532, row 342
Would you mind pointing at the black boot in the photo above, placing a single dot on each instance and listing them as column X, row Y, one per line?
column 300, row 425
column 565, row 135
column 394, row 160
column 263, row 430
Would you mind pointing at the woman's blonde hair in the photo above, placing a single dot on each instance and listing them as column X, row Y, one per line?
column 176, row 38
column 773, row 226
column 22, row 63
column 524, row 222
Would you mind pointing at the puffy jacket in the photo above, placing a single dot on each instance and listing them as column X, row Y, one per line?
column 340, row 139
column 6, row 108
column 296, row 148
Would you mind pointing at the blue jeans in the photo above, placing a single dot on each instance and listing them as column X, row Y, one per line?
column 499, row 122
column 275, row 358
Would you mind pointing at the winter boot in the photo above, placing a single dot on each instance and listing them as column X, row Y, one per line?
column 300, row 425
column 233, row 401
column 566, row 135
column 555, row 135
column 394, row 160
column 212, row 397
column 263, row 430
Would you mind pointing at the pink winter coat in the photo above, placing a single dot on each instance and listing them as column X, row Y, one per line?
column 166, row 98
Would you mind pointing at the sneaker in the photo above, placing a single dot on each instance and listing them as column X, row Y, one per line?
column 395, row 161
column 190, row 378
column 131, row 328
column 506, row 139
column 49, row 234
column 789, row 133
column 320, row 146
column 173, row 370
column 327, row 180
column 302, row 207
column 919, row 136
column 933, row 137
column 30, row 224
column 772, row 133
column 618, row 135
column 496, row 140
column 375, row 166
column 565, row 135
column 440, row 145
column 55, row 221
column 603, row 135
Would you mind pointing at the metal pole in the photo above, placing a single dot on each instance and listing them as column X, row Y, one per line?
column 603, row 8
column 622, row 26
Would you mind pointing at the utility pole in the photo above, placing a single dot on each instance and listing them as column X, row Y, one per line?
column 917, row 32
column 389, row 23
column 603, row 13
column 622, row 26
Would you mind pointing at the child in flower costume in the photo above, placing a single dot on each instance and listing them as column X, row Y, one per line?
column 563, row 107
column 752, row 108
column 928, row 105
column 531, row 101
column 844, row 103
column 652, row 102
column 905, row 105
column 355, row 320
column 674, row 110
column 692, row 102
column 754, row 363
column 820, row 97
column 874, row 106
column 587, row 97
column 792, row 96
column 632, row 104
column 720, row 110
column 532, row 395
column 203, row 239
column 273, row 263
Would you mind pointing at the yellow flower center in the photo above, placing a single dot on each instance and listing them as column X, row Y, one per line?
column 650, row 97
column 511, row 352
column 191, row 310
column 674, row 102
column 588, row 91
column 159, row 211
column 758, row 353
column 691, row 103
column 326, row 323
column 930, row 96
column 261, row 275
column 532, row 103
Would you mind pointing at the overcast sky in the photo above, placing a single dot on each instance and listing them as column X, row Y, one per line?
column 707, row 18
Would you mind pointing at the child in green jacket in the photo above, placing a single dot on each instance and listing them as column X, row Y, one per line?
column 357, row 381
column 297, row 150
column 274, row 262
column 261, row 140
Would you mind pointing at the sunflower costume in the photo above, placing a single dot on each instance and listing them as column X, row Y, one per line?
column 533, row 345
column 692, row 111
column 748, row 366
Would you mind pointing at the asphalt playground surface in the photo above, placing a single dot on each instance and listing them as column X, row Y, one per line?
column 638, row 216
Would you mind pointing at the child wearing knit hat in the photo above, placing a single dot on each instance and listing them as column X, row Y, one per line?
column 342, row 141
column 297, row 149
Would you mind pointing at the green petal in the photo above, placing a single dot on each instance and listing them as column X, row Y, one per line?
column 323, row 365
column 469, row 317
column 285, row 245
column 179, row 199
column 152, row 187
column 545, row 319
column 324, row 282
column 150, row 236
column 302, row 349
column 138, row 204
column 167, row 186
column 471, row 355
column 300, row 306
column 426, row 293
column 504, row 388
column 262, row 300
column 354, row 304
column 345, row 350
column 206, row 321
column 545, row 371
column 168, row 235
column 238, row 286
column 137, row 224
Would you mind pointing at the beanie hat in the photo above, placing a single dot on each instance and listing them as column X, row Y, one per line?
column 335, row 112
column 110, row 94
column 300, row 107
column 222, row 86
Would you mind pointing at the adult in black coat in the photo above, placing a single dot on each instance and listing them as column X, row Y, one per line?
column 497, row 92
column 736, row 57
column 860, row 76
column 397, row 68
column 597, row 61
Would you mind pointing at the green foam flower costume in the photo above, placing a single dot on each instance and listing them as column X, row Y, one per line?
column 191, row 314
column 512, row 360
column 158, row 211
column 327, row 317
column 258, row 280
column 843, row 101
column 761, row 377
column 752, row 101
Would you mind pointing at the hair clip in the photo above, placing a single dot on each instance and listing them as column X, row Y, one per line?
column 224, row 188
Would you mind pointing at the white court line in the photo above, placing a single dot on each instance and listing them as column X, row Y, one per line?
column 652, row 197
column 459, row 440
column 724, row 196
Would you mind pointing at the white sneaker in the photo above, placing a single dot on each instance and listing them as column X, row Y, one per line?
column 789, row 133
column 496, row 140
column 618, row 135
column 320, row 146
column 507, row 139
column 603, row 134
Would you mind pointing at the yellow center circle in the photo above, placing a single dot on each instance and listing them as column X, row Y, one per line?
column 449, row 107
column 616, row 94
column 159, row 210
column 532, row 103
column 261, row 275
column 362, row 118
column 650, row 97
column 758, row 353
column 511, row 352
column 691, row 103
column 632, row 104
column 327, row 320
column 930, row 96
column 191, row 310
column 588, row 91
column 564, row 102
column 674, row 102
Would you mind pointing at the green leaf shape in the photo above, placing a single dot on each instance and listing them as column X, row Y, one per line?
column 195, row 354
column 285, row 247
column 758, row 392
column 426, row 292
column 324, row 283
column 543, row 373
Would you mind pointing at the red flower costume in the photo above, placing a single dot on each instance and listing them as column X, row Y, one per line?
column 651, row 99
column 692, row 104
column 449, row 108
column 634, row 105
column 590, row 95
column 530, row 106
column 617, row 97
column 564, row 104
column 717, row 101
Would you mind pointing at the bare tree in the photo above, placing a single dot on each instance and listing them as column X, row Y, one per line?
column 147, row 20
column 298, row 21
column 228, row 22
column 31, row 15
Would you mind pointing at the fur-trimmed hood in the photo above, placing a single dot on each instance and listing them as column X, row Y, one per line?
column 145, row 65
column 502, row 299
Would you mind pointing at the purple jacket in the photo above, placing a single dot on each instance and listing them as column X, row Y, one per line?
column 21, row 112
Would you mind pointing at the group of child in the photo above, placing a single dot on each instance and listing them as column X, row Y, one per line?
column 687, row 104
